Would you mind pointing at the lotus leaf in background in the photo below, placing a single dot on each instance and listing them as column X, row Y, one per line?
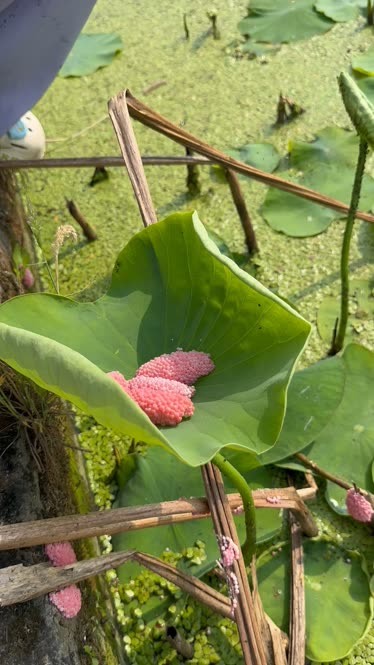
column 367, row 86
column 171, row 287
column 91, row 52
column 263, row 156
column 341, row 10
column 345, row 447
column 161, row 477
column 279, row 21
column 361, row 310
column 338, row 602
column 364, row 63
column 326, row 165
column 313, row 397
column 240, row 259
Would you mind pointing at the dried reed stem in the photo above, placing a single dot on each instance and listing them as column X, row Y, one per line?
column 242, row 210
column 245, row 615
column 296, row 655
column 86, row 227
column 121, row 520
column 120, row 118
column 322, row 472
column 157, row 122
column 98, row 162
column 191, row 585
column 19, row 583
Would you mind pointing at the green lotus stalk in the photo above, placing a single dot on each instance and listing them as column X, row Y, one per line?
column 228, row 470
column 338, row 340
column 361, row 112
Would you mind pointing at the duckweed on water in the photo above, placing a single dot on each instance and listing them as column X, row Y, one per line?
column 215, row 640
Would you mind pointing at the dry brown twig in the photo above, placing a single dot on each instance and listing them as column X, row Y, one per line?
column 22, row 583
column 158, row 123
column 88, row 230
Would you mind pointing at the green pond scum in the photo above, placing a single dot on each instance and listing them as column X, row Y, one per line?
column 228, row 101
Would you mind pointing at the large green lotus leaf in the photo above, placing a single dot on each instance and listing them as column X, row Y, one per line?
column 361, row 310
column 345, row 447
column 340, row 10
column 279, row 21
column 90, row 52
column 170, row 288
column 313, row 397
column 338, row 604
column 326, row 165
column 364, row 63
column 162, row 477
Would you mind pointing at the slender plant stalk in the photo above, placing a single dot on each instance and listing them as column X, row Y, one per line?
column 228, row 470
column 338, row 341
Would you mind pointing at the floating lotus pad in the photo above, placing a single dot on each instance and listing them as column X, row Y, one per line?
column 337, row 596
column 91, row 52
column 326, row 165
column 279, row 21
column 341, row 10
column 361, row 293
column 345, row 447
column 170, row 288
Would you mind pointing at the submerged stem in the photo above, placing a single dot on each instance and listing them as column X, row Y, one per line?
column 338, row 340
column 241, row 485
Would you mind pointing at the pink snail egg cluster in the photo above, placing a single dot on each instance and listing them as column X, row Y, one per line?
column 60, row 554
column 69, row 600
column 183, row 366
column 163, row 386
column 358, row 507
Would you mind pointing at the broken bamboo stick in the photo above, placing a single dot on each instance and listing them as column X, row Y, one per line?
column 121, row 520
